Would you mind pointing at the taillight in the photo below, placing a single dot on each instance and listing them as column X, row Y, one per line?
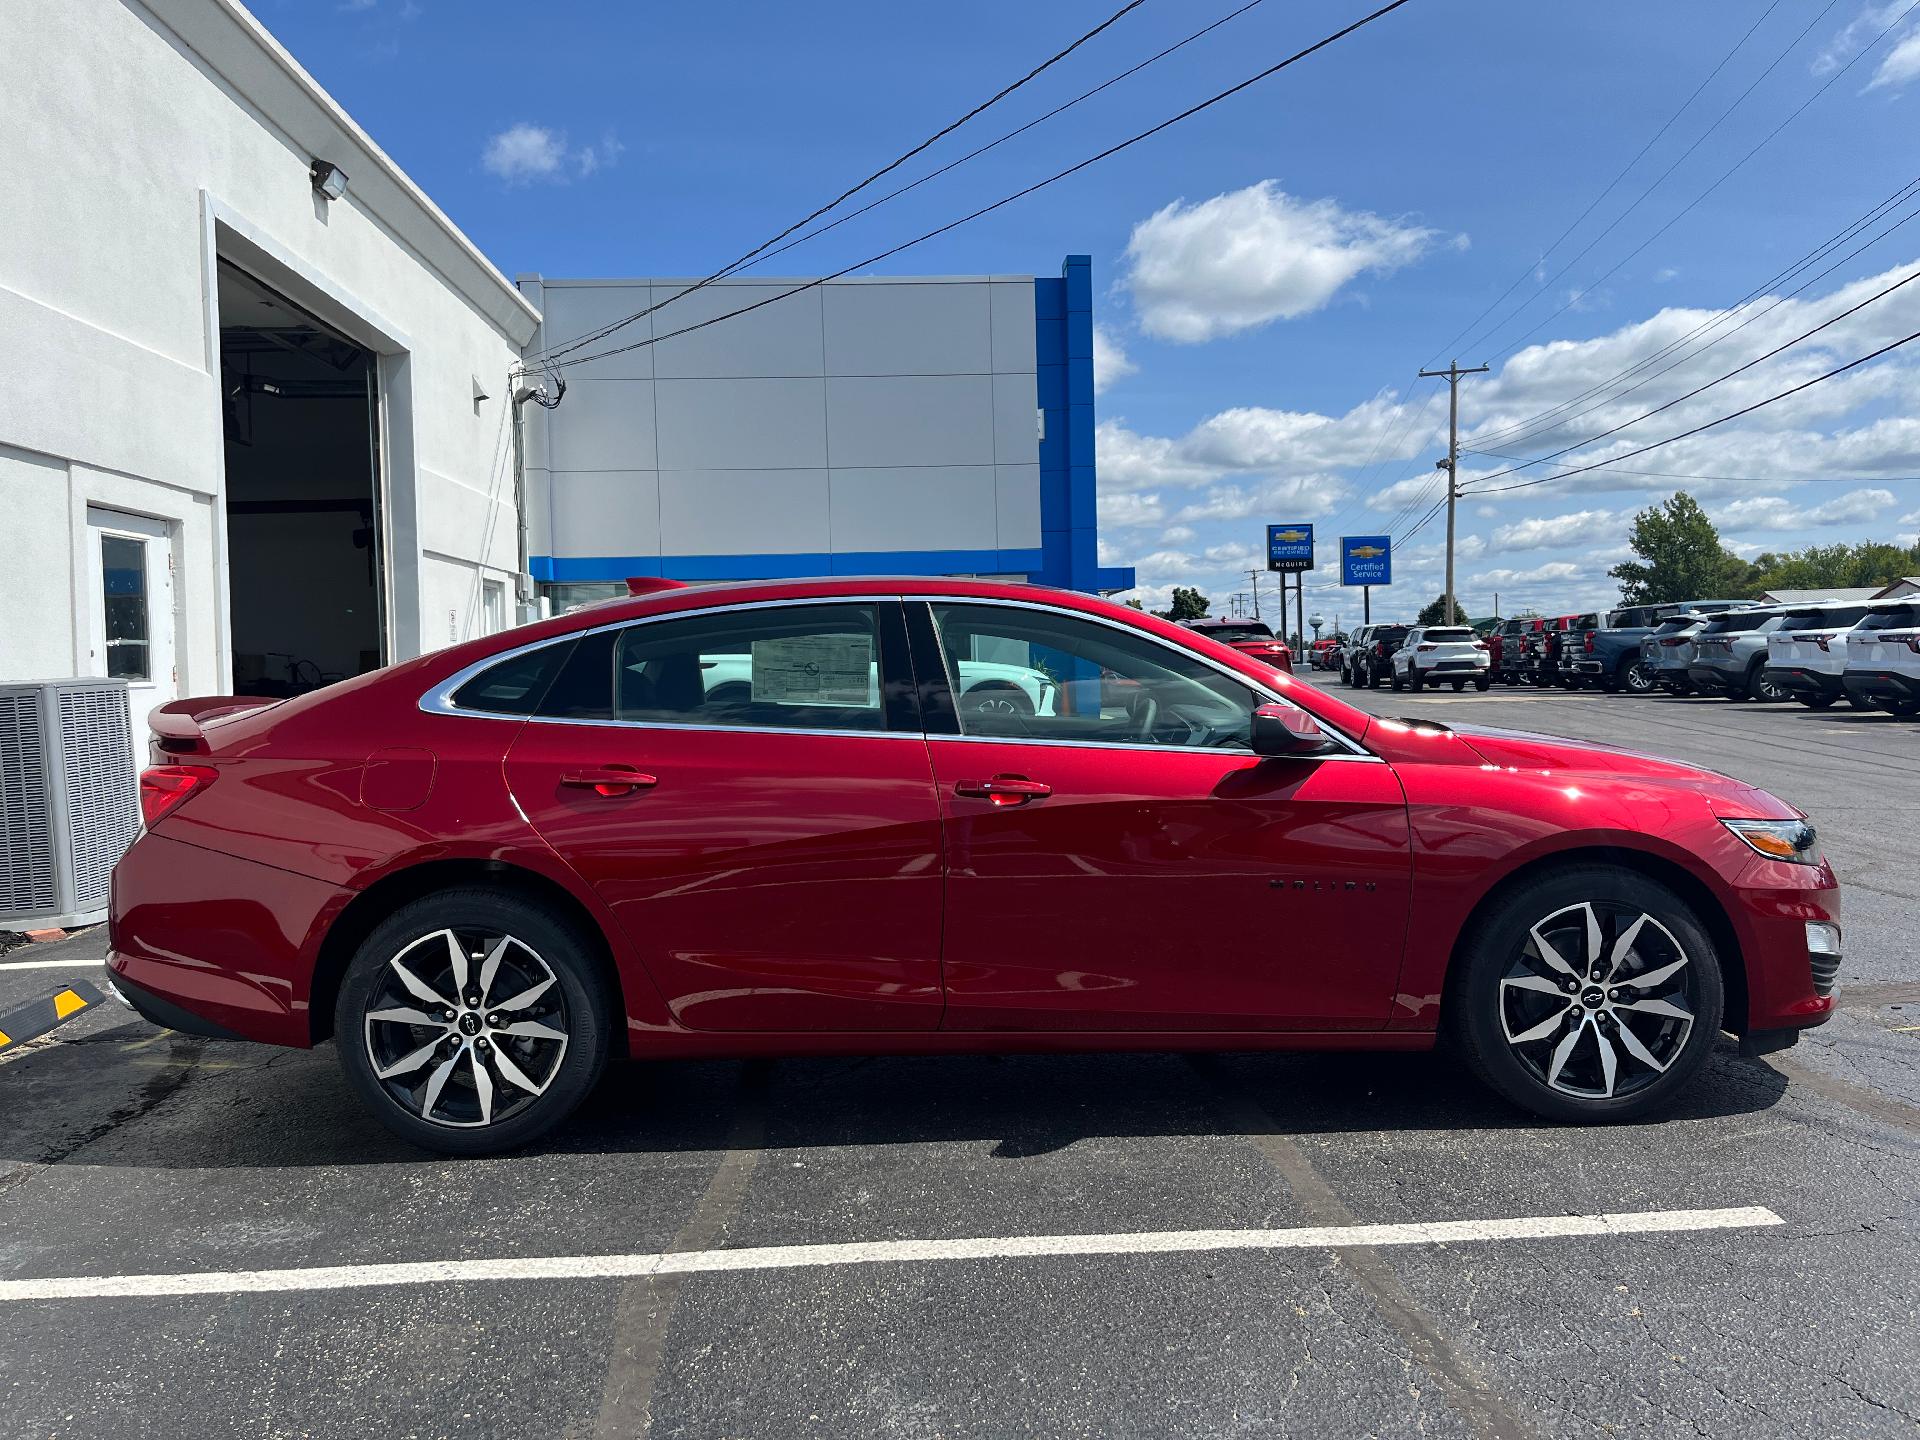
column 1426, row 647
column 1822, row 641
column 1589, row 642
column 1908, row 638
column 165, row 788
column 1674, row 640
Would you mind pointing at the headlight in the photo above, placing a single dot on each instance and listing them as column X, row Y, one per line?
column 1791, row 840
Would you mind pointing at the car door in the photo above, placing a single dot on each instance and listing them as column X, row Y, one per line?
column 1123, row 861
column 749, row 791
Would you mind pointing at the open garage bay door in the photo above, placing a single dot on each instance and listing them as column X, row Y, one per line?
column 303, row 494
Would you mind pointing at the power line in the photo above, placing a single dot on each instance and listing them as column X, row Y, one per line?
column 1020, row 194
column 1612, row 184
column 1758, row 359
column 1732, row 479
column 973, row 154
column 1725, row 175
column 888, row 168
column 1687, row 434
column 1521, row 430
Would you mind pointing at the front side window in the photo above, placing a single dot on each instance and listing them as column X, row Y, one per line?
column 803, row 667
column 1020, row 674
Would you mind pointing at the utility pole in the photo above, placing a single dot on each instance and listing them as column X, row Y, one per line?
column 1254, row 576
column 1451, row 464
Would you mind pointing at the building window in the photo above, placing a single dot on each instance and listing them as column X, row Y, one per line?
column 493, row 605
column 123, row 576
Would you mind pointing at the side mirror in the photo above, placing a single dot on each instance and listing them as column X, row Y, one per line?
column 1283, row 730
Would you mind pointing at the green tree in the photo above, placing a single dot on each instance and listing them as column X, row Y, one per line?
column 1134, row 604
column 1435, row 612
column 1837, row 567
column 1681, row 557
column 1188, row 604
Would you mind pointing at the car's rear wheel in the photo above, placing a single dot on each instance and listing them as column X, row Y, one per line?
column 1817, row 702
column 1762, row 686
column 996, row 697
column 1589, row 994
column 472, row 1021
column 1483, row 684
column 1399, row 682
column 1458, row 685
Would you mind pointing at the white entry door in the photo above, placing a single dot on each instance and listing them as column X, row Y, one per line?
column 131, row 609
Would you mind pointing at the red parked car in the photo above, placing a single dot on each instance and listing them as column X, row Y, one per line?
column 751, row 819
column 1249, row 637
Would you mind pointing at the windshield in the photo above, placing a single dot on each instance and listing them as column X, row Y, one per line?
column 1824, row 619
column 1895, row 617
column 1735, row 620
column 1227, row 629
column 1675, row 626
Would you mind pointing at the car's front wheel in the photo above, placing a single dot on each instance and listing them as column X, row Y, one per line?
column 472, row 1021
column 1590, row 993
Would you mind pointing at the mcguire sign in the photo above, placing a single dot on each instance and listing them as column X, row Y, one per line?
column 1289, row 547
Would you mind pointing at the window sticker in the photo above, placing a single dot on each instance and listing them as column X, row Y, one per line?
column 814, row 670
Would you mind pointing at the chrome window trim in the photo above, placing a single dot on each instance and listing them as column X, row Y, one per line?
column 439, row 699
column 1360, row 752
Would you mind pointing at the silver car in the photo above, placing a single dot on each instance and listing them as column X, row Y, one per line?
column 1730, row 655
column 1668, row 651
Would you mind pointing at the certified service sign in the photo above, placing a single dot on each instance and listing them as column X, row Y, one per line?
column 1289, row 547
column 1366, row 560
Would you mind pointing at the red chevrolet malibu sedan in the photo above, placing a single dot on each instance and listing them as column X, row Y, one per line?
column 794, row 818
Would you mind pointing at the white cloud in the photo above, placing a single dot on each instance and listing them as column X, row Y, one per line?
column 524, row 153
column 1776, row 512
column 1119, row 509
column 1897, row 67
column 1110, row 362
column 1910, row 519
column 1249, row 257
column 1550, row 532
column 1901, row 65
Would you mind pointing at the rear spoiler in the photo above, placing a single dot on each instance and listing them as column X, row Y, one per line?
column 177, row 725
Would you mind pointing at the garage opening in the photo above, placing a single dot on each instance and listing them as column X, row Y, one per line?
column 303, row 519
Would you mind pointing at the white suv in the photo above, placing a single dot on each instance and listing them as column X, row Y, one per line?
column 1440, row 654
column 1807, row 654
column 1883, row 658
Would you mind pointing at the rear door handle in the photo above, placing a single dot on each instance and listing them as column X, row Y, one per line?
column 612, row 781
column 1004, row 789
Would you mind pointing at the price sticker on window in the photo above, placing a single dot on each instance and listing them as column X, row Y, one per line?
column 814, row 670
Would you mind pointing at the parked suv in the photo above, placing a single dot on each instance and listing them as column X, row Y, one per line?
column 1730, row 655
column 1883, row 658
column 1344, row 657
column 1610, row 656
column 1807, row 652
column 1548, row 657
column 1669, row 650
column 1440, row 655
column 1372, row 662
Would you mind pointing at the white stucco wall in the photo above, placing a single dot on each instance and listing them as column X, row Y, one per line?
column 143, row 141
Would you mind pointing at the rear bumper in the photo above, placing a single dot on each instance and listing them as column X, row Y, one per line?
column 1881, row 685
column 1797, row 680
column 1718, row 680
column 202, row 939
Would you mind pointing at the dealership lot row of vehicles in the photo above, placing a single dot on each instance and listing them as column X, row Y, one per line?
column 1820, row 653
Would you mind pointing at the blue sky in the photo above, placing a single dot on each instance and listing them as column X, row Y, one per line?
column 1271, row 274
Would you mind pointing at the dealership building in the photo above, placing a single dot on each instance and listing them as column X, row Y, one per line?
column 259, row 430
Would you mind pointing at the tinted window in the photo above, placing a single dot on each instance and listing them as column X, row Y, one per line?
column 803, row 667
column 517, row 685
column 1233, row 629
column 1448, row 634
column 1020, row 674
column 1674, row 627
column 1736, row 620
column 1895, row 617
column 1828, row 618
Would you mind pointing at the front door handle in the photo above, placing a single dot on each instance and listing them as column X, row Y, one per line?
column 1004, row 789
column 612, row 781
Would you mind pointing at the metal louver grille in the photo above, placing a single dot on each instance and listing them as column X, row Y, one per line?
column 26, row 842
column 103, row 805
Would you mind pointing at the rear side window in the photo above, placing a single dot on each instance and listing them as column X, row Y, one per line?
column 801, row 667
column 1735, row 620
column 515, row 686
column 1896, row 617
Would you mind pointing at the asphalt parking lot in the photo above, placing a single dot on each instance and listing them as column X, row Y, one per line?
column 1116, row 1242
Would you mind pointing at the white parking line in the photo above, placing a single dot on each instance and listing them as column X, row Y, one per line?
column 794, row 1257
column 6, row 965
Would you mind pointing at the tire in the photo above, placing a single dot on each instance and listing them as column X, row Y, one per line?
column 1417, row 681
column 552, row 981
column 1483, row 684
column 1373, row 679
column 996, row 697
column 1395, row 682
column 1902, row 707
column 1761, row 688
column 1458, row 685
column 1544, row 1049
column 1634, row 677
column 1817, row 702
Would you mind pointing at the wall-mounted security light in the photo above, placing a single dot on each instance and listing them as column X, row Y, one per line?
column 328, row 179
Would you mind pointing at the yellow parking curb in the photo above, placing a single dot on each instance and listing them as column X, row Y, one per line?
column 31, row 1021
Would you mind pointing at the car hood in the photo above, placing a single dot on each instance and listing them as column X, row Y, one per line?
column 1556, row 757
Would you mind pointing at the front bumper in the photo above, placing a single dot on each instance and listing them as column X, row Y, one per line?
column 1881, row 685
column 1789, row 987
